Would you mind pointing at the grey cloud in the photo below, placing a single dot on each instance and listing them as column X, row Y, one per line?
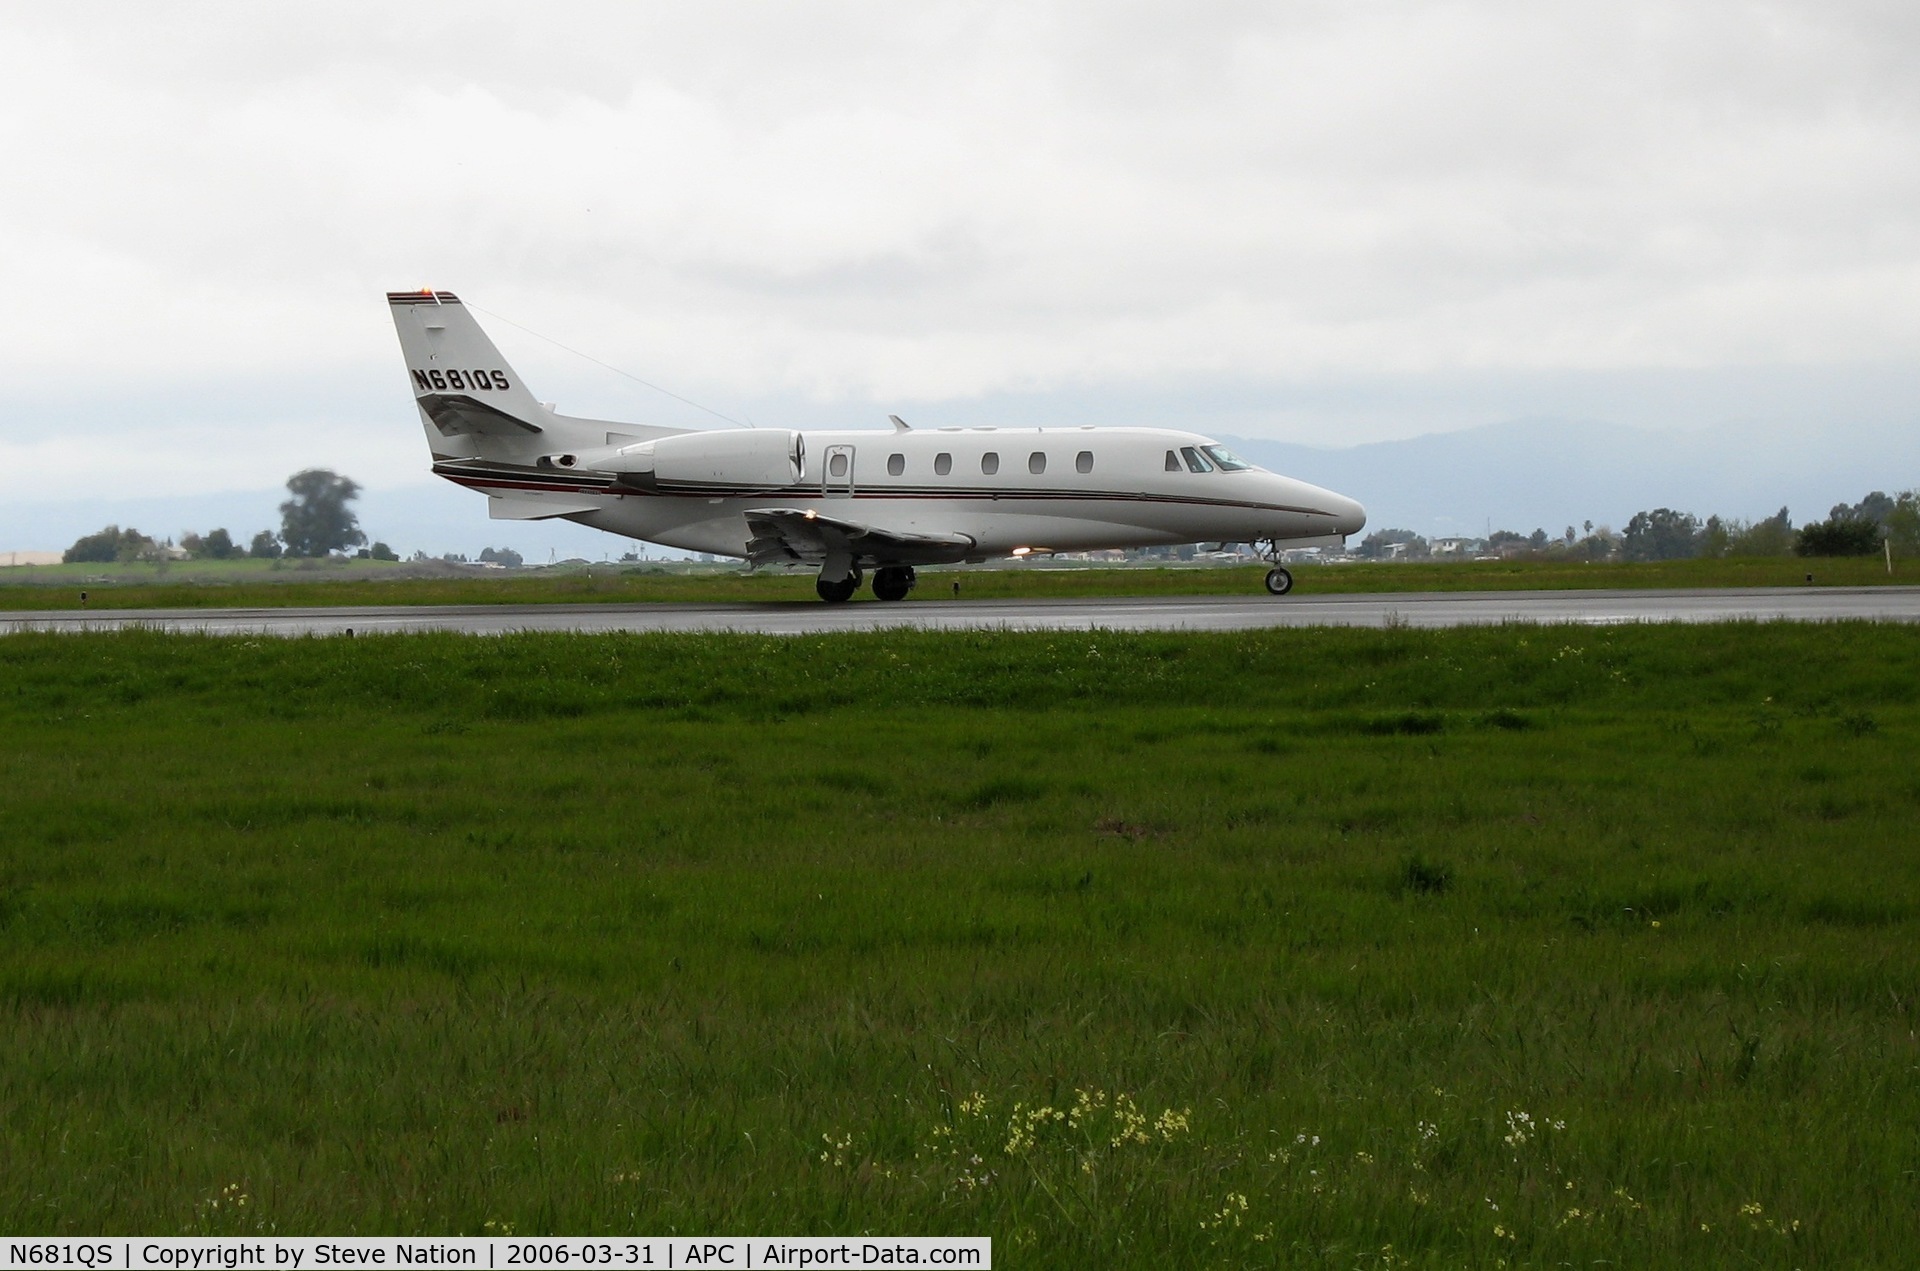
column 866, row 202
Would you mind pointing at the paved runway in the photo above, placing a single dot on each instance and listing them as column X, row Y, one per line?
column 1178, row 613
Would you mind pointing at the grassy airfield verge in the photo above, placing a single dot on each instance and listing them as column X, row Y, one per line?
column 247, row 583
column 1394, row 948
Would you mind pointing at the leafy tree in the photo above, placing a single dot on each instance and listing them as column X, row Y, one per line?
column 1903, row 522
column 1599, row 543
column 265, row 546
column 217, row 545
column 1839, row 536
column 1662, row 534
column 502, row 556
column 1716, row 536
column 1856, row 529
column 110, row 544
column 1876, row 507
column 317, row 520
column 1771, row 537
column 382, row 552
column 1537, row 540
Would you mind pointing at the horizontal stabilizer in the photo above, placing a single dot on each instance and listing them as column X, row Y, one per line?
column 456, row 414
column 527, row 506
column 784, row 535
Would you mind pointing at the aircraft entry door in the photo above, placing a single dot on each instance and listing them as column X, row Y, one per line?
column 836, row 476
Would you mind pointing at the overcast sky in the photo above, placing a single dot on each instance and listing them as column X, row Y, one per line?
column 1343, row 221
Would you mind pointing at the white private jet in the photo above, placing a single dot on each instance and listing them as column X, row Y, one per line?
column 843, row 502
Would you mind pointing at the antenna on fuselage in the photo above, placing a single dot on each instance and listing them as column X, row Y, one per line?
column 611, row 367
column 899, row 424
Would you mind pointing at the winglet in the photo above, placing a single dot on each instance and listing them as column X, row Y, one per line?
column 899, row 424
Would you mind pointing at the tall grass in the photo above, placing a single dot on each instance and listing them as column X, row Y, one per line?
column 1369, row 948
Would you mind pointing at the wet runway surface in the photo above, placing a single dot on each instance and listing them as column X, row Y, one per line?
column 1173, row 613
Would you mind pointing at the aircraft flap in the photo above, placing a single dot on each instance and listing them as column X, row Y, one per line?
column 783, row 535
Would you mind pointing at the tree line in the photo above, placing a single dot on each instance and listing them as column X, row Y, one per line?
column 1872, row 525
column 317, row 520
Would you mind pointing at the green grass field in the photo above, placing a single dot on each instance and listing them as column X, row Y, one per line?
column 248, row 583
column 1507, row 946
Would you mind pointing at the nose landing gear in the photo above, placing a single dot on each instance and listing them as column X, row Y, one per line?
column 1279, row 579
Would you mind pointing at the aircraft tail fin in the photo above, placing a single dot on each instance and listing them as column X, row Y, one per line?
column 471, row 402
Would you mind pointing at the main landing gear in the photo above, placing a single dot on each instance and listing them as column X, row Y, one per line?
column 1279, row 579
column 890, row 582
column 838, row 592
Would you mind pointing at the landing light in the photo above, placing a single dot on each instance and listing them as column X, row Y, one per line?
column 1022, row 551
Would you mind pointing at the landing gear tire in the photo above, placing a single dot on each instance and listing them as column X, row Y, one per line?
column 840, row 592
column 1279, row 581
column 893, row 582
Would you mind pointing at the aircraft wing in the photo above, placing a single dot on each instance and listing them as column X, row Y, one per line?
column 783, row 535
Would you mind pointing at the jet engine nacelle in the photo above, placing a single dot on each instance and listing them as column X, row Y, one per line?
column 762, row 458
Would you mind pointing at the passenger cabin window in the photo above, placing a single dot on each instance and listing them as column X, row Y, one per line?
column 837, row 466
column 1083, row 462
column 896, row 464
column 942, row 464
column 1196, row 462
column 989, row 463
column 1173, row 462
column 1037, row 462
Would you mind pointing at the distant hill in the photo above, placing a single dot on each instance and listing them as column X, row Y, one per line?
column 433, row 516
column 1517, row 475
column 1553, row 473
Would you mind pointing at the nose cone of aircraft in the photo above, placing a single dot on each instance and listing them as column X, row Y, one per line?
column 1349, row 517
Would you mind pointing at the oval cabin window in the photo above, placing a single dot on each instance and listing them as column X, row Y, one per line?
column 1083, row 462
column 896, row 464
column 837, row 466
column 942, row 464
column 989, row 463
column 1037, row 462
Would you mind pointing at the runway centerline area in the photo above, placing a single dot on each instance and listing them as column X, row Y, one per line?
column 1135, row 613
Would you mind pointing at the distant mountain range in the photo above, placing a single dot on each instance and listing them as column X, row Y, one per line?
column 1519, row 475
column 1550, row 474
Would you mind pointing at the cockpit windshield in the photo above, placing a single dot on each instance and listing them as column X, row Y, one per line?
column 1228, row 461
